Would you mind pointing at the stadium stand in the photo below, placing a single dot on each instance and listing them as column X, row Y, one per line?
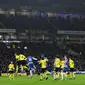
column 49, row 24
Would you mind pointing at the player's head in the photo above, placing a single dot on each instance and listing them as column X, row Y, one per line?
column 65, row 56
column 57, row 56
column 62, row 58
column 16, row 54
column 42, row 55
column 70, row 58
column 29, row 56
column 42, row 58
column 11, row 62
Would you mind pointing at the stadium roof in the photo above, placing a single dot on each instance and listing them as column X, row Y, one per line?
column 45, row 5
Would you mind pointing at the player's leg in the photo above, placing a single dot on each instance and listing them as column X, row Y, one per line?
column 21, row 68
column 58, row 73
column 66, row 75
column 31, row 74
column 34, row 69
column 27, row 72
column 41, row 74
column 31, row 69
column 10, row 75
column 70, row 73
column 54, row 75
column 17, row 67
column 73, row 74
column 45, row 74
column 62, row 74
column 22, row 64
column 66, row 72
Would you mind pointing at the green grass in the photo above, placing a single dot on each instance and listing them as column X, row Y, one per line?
column 23, row 80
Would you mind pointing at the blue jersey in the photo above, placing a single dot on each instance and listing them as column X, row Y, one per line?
column 30, row 60
column 66, row 62
column 65, row 65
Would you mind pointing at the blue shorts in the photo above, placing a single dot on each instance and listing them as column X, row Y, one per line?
column 65, row 69
column 31, row 66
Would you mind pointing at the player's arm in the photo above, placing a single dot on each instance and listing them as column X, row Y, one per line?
column 13, row 67
column 34, row 58
column 24, row 57
column 16, row 57
column 46, row 60
column 39, row 62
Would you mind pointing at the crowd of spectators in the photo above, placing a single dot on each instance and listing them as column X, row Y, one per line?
column 36, row 49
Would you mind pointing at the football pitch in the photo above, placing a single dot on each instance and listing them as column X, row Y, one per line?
column 35, row 80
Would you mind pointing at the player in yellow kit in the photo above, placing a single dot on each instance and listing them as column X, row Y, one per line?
column 57, row 67
column 43, row 73
column 71, row 65
column 17, row 62
column 11, row 70
column 22, row 59
column 26, row 69
column 62, row 65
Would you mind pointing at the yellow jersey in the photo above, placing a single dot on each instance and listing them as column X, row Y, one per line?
column 62, row 64
column 11, row 67
column 22, row 57
column 57, row 63
column 17, row 57
column 71, row 63
column 43, row 63
column 26, row 67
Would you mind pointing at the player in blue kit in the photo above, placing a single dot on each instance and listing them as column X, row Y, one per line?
column 65, row 69
column 30, row 64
